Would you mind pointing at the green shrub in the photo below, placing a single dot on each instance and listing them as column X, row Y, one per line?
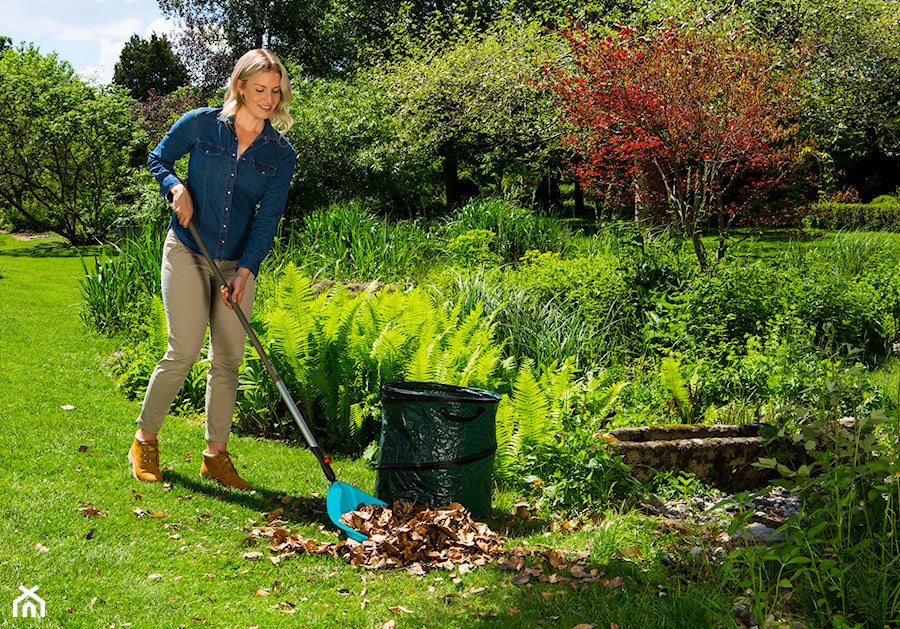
column 842, row 559
column 346, row 147
column 346, row 241
column 473, row 248
column 517, row 229
column 595, row 283
column 882, row 216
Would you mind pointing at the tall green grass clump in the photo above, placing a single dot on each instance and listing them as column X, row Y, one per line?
column 346, row 241
column 118, row 284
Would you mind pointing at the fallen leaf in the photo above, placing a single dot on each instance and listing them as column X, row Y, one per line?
column 261, row 592
column 583, row 626
column 556, row 562
column 82, row 448
column 155, row 575
column 400, row 609
column 255, row 554
column 388, row 625
column 41, row 548
column 522, row 511
column 67, row 407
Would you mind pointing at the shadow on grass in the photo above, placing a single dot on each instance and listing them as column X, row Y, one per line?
column 306, row 510
column 53, row 249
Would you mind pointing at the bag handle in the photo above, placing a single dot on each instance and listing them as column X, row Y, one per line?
column 451, row 417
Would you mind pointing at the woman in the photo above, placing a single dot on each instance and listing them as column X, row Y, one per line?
column 238, row 175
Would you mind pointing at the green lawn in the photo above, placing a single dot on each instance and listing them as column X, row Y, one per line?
column 70, row 524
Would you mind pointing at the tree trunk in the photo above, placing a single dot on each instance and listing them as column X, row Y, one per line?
column 578, row 194
column 699, row 251
column 451, row 183
column 721, row 246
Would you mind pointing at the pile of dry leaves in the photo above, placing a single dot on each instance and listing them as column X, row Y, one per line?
column 411, row 537
column 418, row 539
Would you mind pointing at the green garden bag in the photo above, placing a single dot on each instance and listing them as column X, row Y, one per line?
column 437, row 445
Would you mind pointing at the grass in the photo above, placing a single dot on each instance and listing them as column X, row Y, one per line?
column 68, row 520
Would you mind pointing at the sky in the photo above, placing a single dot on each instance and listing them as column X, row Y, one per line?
column 89, row 34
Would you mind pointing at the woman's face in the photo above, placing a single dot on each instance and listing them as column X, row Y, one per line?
column 261, row 94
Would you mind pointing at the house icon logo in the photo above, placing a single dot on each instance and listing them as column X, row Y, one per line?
column 28, row 604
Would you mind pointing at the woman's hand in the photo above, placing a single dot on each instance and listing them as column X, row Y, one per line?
column 182, row 204
column 238, row 283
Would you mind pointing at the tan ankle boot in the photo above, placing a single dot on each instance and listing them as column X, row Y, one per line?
column 220, row 469
column 144, row 458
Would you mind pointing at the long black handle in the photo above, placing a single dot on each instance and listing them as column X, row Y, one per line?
column 285, row 395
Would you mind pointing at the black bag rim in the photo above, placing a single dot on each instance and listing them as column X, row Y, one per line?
column 435, row 392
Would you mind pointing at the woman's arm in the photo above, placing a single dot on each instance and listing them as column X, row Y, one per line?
column 175, row 145
column 271, row 207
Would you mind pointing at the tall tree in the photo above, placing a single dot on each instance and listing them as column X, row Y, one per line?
column 851, row 100
column 308, row 32
column 474, row 103
column 149, row 64
column 67, row 150
column 697, row 118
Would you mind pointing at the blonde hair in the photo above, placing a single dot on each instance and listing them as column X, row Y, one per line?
column 251, row 64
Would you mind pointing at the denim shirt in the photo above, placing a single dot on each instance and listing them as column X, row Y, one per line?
column 238, row 201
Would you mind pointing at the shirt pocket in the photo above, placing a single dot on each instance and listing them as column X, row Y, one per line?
column 257, row 178
column 208, row 158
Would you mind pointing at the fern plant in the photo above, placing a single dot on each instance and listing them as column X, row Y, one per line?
column 338, row 348
column 685, row 398
column 553, row 401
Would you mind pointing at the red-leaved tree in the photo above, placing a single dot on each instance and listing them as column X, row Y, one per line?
column 692, row 123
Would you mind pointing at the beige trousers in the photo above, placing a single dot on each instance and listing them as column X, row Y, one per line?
column 192, row 299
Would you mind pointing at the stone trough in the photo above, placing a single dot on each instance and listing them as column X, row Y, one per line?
column 718, row 455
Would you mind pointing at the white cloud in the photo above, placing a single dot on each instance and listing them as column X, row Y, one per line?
column 110, row 51
column 88, row 33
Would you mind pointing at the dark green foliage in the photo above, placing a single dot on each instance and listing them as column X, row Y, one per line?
column 344, row 137
column 149, row 65
column 68, row 151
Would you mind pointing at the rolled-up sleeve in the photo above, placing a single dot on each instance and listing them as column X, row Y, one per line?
column 271, row 207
